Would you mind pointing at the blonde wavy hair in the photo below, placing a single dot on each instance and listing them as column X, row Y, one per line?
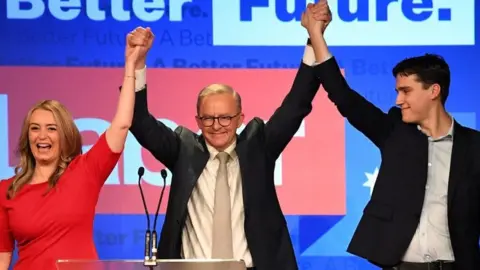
column 70, row 146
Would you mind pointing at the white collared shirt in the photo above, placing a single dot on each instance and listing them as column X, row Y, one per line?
column 431, row 241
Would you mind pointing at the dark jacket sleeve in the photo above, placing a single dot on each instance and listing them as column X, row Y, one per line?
column 360, row 113
column 161, row 141
column 287, row 119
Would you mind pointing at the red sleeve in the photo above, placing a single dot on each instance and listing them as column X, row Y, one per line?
column 6, row 237
column 100, row 160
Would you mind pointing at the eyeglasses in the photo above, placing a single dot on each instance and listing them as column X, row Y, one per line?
column 224, row 121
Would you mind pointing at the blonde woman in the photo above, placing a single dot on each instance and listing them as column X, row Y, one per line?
column 48, row 206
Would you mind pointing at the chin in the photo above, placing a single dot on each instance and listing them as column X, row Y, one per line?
column 45, row 158
column 219, row 143
column 216, row 138
column 409, row 120
column 406, row 118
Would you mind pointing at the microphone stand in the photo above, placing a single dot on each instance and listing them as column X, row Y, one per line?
column 163, row 172
column 151, row 261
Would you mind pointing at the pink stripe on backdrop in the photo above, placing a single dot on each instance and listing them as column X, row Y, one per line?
column 313, row 166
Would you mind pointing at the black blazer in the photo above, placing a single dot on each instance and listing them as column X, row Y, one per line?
column 391, row 216
column 259, row 145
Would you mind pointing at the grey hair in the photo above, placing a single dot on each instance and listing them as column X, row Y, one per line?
column 218, row 88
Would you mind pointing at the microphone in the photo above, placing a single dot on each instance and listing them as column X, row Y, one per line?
column 163, row 173
column 146, row 259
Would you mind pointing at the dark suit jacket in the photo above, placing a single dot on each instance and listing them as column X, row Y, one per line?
column 259, row 145
column 391, row 216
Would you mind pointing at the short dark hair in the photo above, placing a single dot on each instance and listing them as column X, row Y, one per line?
column 430, row 69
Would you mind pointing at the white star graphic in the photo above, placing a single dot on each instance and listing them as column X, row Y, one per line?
column 371, row 178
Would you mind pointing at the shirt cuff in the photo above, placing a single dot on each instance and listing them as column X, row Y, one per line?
column 309, row 57
column 140, row 79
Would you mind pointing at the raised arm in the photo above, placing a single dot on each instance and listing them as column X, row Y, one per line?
column 286, row 120
column 153, row 135
column 6, row 237
column 101, row 159
column 361, row 113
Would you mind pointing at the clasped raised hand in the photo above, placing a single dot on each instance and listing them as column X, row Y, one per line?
column 316, row 17
column 138, row 43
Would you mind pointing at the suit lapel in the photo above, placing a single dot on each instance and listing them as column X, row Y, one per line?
column 242, row 153
column 458, row 161
column 200, row 158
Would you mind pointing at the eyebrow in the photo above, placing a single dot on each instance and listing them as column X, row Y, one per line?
column 220, row 115
column 403, row 88
column 36, row 124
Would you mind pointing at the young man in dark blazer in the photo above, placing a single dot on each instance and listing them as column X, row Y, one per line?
column 424, row 211
column 202, row 220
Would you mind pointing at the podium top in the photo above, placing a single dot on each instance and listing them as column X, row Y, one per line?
column 177, row 264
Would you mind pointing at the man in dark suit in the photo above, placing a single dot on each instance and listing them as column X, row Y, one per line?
column 424, row 211
column 223, row 202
